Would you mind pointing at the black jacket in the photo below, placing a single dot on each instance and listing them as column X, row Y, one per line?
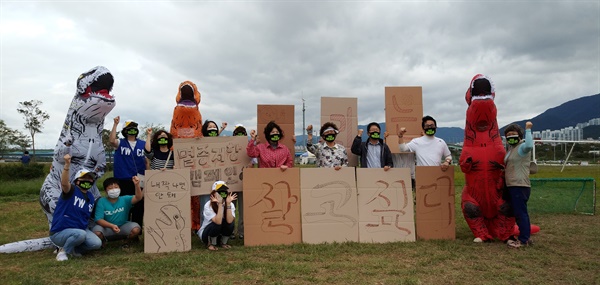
column 360, row 148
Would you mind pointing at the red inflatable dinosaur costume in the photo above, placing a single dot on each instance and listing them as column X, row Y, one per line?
column 482, row 161
column 187, row 123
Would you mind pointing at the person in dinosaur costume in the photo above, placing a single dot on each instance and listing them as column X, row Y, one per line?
column 81, row 137
column 187, row 123
column 482, row 161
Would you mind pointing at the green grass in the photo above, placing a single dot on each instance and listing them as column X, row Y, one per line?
column 566, row 251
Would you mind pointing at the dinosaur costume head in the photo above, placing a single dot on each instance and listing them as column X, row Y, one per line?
column 481, row 114
column 187, row 121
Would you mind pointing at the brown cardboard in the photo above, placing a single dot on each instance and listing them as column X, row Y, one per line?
column 283, row 115
column 167, row 224
column 344, row 113
column 272, row 206
column 329, row 205
column 435, row 214
column 403, row 108
column 385, row 205
column 210, row 159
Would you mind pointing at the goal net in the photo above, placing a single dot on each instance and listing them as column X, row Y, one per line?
column 562, row 195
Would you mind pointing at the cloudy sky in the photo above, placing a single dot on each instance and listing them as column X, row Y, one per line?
column 539, row 54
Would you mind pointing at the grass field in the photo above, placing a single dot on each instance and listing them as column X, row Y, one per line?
column 566, row 251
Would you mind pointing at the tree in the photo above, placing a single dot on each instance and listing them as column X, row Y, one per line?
column 12, row 139
column 34, row 118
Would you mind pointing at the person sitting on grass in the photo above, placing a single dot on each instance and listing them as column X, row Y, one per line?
column 112, row 213
column 219, row 215
column 74, row 208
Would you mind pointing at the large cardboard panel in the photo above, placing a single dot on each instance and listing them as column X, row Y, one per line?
column 209, row 159
column 435, row 203
column 272, row 206
column 385, row 205
column 167, row 225
column 329, row 205
column 283, row 115
column 403, row 108
column 344, row 113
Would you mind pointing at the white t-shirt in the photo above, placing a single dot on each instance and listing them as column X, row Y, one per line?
column 209, row 213
column 430, row 151
column 405, row 160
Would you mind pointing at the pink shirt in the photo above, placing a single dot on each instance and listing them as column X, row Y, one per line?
column 269, row 157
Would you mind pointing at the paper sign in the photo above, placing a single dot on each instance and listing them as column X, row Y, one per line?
column 435, row 203
column 167, row 225
column 385, row 205
column 210, row 159
column 343, row 113
column 329, row 205
column 403, row 108
column 283, row 115
column 272, row 206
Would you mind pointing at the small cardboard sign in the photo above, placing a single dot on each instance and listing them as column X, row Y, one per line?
column 385, row 204
column 435, row 203
column 403, row 108
column 329, row 205
column 282, row 115
column 272, row 206
column 167, row 225
column 209, row 159
column 343, row 112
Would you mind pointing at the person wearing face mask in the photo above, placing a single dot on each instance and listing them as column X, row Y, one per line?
column 210, row 129
column 111, row 213
column 374, row 153
column 429, row 150
column 328, row 153
column 516, row 176
column 129, row 161
column 69, row 229
column 240, row 130
column 271, row 154
column 158, row 149
column 219, row 216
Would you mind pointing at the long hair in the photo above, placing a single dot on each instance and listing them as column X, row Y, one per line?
column 205, row 127
column 155, row 145
column 214, row 205
column 270, row 127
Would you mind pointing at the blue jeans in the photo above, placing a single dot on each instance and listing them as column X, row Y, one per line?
column 518, row 198
column 76, row 240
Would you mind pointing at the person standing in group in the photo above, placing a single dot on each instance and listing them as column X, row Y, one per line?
column 404, row 160
column 74, row 208
column 25, row 159
column 158, row 149
column 374, row 153
column 328, row 153
column 240, row 130
column 129, row 161
column 271, row 154
column 219, row 215
column 516, row 176
column 429, row 150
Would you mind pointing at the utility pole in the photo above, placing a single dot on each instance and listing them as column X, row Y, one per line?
column 303, row 119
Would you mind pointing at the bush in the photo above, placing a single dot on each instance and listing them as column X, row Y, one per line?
column 14, row 171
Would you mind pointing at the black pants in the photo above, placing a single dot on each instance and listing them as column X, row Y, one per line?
column 136, row 214
column 214, row 230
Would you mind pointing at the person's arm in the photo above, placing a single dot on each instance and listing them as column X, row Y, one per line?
column 290, row 160
column 65, row 177
column 99, row 218
column 356, row 149
column 344, row 157
column 401, row 144
column 230, row 210
column 525, row 148
column 138, row 190
column 147, row 146
column 223, row 126
column 252, row 149
column 218, row 218
column 112, row 138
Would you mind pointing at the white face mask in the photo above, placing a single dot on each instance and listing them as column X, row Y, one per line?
column 114, row 193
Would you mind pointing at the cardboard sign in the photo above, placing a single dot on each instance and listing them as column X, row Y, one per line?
column 210, row 159
column 403, row 108
column 385, row 205
column 343, row 112
column 329, row 205
column 435, row 203
column 272, row 206
column 283, row 115
column 167, row 225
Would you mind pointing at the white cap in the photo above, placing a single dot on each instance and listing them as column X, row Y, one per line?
column 218, row 185
column 239, row 126
column 82, row 172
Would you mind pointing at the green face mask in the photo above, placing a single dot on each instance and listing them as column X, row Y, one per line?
column 329, row 138
column 430, row 131
column 223, row 194
column 86, row 185
column 375, row 135
column 512, row 140
column 274, row 137
column 240, row 134
column 162, row 141
column 132, row 132
column 213, row 133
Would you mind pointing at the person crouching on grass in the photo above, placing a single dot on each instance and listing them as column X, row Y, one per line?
column 112, row 213
column 219, row 214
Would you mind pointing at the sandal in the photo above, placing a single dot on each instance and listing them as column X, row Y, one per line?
column 212, row 247
column 226, row 246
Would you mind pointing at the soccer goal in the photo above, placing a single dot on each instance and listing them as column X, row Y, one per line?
column 563, row 195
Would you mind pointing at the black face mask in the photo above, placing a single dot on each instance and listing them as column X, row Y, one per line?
column 223, row 194
column 274, row 137
column 375, row 135
column 133, row 131
column 213, row 133
column 86, row 185
column 512, row 140
column 329, row 137
column 163, row 141
column 430, row 131
column 241, row 135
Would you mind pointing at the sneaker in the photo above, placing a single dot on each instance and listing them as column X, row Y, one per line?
column 232, row 237
column 62, row 255
column 514, row 244
column 478, row 240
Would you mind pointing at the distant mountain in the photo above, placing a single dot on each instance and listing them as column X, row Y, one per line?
column 569, row 114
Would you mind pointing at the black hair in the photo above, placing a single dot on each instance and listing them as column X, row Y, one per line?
column 269, row 127
column 327, row 126
column 373, row 124
column 132, row 125
column 481, row 86
column 109, row 181
column 26, row 152
column 427, row 118
column 155, row 145
column 239, row 130
column 205, row 127
column 514, row 128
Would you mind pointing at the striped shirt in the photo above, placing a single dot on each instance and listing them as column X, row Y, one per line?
column 159, row 158
column 268, row 156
